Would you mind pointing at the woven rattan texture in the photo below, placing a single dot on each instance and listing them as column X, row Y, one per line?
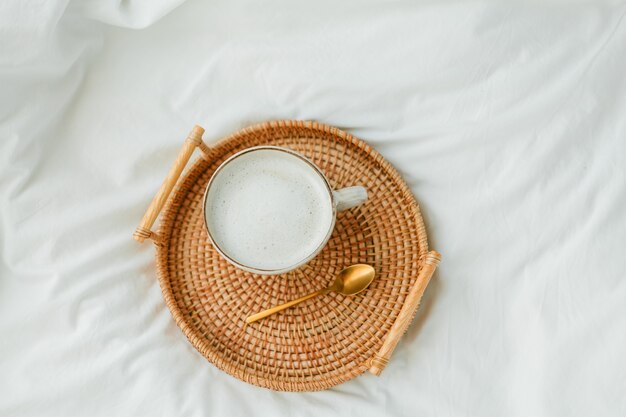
column 323, row 341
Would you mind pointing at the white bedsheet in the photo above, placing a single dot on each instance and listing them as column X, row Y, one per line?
column 507, row 120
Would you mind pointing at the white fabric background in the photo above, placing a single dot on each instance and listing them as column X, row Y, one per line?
column 507, row 120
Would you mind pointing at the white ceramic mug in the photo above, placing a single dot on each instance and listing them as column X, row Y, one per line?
column 269, row 210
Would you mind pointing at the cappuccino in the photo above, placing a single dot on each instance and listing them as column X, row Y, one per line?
column 268, row 209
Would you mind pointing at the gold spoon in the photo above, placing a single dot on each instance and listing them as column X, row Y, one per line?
column 350, row 281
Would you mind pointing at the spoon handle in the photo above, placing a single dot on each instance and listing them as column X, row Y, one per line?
column 270, row 311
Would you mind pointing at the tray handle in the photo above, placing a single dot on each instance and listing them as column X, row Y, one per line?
column 194, row 140
column 380, row 360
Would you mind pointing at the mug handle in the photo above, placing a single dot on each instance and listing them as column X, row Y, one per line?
column 349, row 197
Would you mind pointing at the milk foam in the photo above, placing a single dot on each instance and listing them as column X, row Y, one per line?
column 268, row 209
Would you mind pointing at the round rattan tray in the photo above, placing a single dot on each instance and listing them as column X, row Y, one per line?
column 323, row 341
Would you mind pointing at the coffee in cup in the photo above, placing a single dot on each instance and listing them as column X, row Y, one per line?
column 269, row 210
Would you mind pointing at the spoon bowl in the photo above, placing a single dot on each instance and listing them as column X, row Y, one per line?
column 354, row 279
